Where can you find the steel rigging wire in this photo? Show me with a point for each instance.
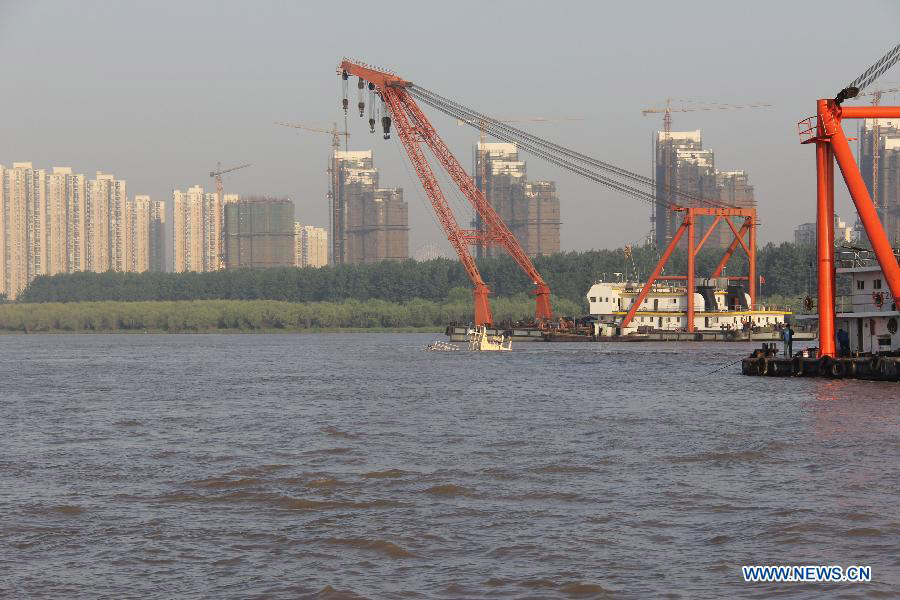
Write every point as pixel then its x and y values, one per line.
pixel 869 76
pixel 559 155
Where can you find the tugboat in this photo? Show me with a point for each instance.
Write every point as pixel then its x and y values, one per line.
pixel 480 341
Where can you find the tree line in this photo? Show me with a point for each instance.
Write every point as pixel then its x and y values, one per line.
pixel 788 270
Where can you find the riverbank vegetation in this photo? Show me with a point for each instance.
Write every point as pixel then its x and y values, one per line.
pixel 257 315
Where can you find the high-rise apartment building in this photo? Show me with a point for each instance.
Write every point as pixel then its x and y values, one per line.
pixel 191 226
pixel 529 208
pixel 369 224
pixel 259 233
pixel 139 260
pixel 310 246
pixel 14 244
pixel 60 192
pixel 108 246
pixel 683 166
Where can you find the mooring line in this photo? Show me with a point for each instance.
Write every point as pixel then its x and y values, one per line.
pixel 728 365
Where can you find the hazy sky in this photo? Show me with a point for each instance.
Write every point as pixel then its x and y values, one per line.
pixel 157 92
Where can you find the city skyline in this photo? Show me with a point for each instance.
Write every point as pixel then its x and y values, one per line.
pixel 226 124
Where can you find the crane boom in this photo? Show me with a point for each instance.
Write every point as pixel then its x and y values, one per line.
pixel 220 171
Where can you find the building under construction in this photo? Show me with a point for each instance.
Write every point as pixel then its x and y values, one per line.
pixel 369 223
pixel 529 208
pixel 683 168
pixel 259 233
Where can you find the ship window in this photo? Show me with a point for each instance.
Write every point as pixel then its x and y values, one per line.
pixel 876 284
pixel 674 300
pixel 593 298
pixel 860 284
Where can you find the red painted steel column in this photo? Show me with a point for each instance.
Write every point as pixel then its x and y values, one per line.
pixel 824 245
pixel 752 278
pixel 689 216
pixel 867 213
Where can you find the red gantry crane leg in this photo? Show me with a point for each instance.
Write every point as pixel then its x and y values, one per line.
pixel 414 129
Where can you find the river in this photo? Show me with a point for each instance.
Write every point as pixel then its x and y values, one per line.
pixel 358 465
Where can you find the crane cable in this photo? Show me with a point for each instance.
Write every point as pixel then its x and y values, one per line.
pixel 540 151
pixel 562 156
pixel 869 76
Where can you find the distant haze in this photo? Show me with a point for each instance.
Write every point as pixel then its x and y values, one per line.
pixel 157 92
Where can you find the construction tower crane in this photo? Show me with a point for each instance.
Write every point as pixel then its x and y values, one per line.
pixel 217 245
pixel 336 247
pixel 217 174
pixel 414 129
pixel 335 134
pixel 667 110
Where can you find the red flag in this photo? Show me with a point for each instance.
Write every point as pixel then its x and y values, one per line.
pixel 762 280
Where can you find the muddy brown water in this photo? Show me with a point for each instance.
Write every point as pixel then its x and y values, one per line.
pixel 346 466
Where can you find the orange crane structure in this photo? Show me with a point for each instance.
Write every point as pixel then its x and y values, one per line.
pixel 400 98
pixel 415 130
pixel 825 130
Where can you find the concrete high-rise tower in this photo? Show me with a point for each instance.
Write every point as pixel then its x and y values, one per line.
pixel 188 225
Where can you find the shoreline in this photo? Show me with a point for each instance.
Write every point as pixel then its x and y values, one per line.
pixel 224 331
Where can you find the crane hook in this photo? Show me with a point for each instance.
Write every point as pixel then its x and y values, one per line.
pixel 386 125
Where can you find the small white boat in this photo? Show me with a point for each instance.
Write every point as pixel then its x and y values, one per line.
pixel 441 346
pixel 480 341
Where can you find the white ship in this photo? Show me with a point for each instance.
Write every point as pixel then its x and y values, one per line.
pixel 720 306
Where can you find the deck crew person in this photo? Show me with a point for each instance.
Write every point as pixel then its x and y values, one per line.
pixel 843 341
pixel 787 336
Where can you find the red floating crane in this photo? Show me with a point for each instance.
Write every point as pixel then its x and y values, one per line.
pixel 414 129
